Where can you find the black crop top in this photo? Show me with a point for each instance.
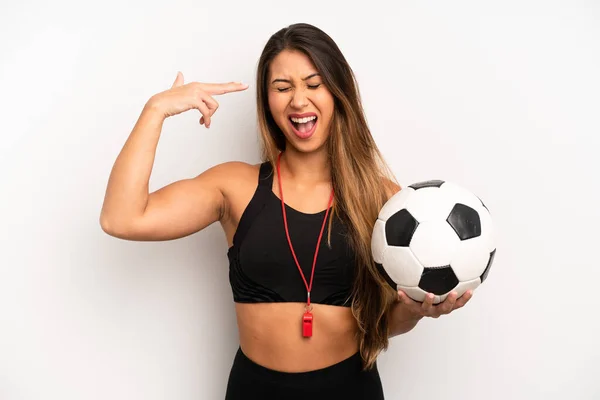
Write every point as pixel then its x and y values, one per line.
pixel 261 265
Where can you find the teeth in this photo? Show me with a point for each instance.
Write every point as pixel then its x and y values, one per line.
pixel 303 120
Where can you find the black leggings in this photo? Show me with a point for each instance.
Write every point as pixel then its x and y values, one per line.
pixel 344 380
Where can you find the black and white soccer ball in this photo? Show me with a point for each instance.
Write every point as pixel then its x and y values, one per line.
pixel 434 237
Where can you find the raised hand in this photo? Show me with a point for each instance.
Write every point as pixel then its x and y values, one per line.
pixel 194 95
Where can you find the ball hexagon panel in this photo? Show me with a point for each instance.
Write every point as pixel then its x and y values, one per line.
pixel 378 242
pixel 414 292
pixel 400 228
pixel 434 243
pixel 458 194
pixel 408 269
pixel 465 221
pixel 395 203
pixel 429 203
pixel 418 294
pixel 470 259
pixel 439 280
pixel 462 287
pixel 385 276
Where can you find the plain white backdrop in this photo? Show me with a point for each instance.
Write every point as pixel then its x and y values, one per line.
pixel 501 97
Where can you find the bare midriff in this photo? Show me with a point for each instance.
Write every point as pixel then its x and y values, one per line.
pixel 271 335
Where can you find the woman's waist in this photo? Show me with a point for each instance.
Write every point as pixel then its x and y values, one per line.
pixel 271 334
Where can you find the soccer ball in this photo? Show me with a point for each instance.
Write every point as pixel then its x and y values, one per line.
pixel 433 236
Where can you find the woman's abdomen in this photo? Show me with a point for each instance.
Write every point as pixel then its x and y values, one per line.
pixel 271 335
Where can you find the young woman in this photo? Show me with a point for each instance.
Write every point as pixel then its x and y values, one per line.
pixel 313 313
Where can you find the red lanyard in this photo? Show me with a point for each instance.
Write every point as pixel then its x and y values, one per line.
pixel 307 318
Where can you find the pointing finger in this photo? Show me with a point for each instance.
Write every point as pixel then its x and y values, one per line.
pixel 222 88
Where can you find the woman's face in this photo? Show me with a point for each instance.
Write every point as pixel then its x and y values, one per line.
pixel 300 103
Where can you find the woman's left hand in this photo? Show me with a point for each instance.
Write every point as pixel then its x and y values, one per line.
pixel 428 309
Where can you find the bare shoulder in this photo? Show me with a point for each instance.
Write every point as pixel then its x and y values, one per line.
pixel 235 179
pixel 238 182
pixel 230 171
pixel 231 177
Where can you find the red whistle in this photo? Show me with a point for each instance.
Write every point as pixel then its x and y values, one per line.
pixel 307 323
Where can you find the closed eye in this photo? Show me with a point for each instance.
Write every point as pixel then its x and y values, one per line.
pixel 281 90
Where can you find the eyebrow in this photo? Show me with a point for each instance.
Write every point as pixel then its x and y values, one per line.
pixel 304 79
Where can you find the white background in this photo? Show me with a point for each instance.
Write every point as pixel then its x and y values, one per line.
pixel 501 97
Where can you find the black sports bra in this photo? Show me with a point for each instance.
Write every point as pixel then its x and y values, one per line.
pixel 261 265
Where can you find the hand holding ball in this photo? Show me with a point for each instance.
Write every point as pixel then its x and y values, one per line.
pixel 434 237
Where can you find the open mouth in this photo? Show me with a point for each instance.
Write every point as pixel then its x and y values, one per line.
pixel 304 127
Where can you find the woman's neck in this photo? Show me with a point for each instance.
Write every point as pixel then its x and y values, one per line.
pixel 305 168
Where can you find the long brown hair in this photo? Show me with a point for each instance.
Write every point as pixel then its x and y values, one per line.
pixel 360 176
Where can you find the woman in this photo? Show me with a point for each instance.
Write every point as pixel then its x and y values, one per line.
pixel 322 182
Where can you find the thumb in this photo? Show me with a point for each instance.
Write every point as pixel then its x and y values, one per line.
pixel 178 80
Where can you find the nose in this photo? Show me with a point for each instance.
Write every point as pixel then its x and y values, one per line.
pixel 299 99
